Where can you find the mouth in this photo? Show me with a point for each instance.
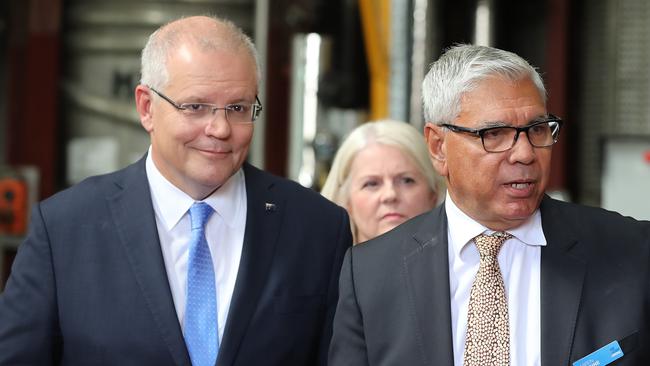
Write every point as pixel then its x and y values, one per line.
pixel 521 188
pixel 523 185
pixel 213 151
pixel 392 216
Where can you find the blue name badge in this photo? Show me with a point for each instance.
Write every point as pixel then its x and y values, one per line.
pixel 603 356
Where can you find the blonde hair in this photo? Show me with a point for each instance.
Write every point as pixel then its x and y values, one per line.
pixel 385 132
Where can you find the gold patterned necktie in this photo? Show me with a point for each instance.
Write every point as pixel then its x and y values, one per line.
pixel 488 335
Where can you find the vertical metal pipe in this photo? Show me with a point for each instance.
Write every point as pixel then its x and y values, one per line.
pixel 418 60
pixel 484 23
pixel 256 154
pixel 399 59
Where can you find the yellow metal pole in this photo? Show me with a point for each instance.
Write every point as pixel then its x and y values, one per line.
pixel 375 20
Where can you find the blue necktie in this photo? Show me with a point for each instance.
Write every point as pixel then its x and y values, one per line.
pixel 201 335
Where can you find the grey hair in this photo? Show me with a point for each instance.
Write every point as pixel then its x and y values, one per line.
pixel 223 35
pixel 460 69
pixel 385 132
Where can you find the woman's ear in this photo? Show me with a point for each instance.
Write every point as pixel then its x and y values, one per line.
pixel 435 138
pixel 143 102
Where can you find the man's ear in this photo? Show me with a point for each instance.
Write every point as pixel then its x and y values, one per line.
pixel 435 138
pixel 143 103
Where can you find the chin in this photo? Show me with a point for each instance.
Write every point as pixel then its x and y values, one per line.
pixel 213 181
pixel 388 228
pixel 522 207
pixel 518 215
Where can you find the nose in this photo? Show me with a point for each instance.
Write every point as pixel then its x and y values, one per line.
pixel 218 126
pixel 388 193
pixel 523 151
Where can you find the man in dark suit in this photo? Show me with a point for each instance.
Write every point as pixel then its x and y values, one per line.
pixel 115 271
pixel 500 273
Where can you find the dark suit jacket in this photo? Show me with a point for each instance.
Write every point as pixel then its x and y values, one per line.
pixel 89 286
pixel 394 305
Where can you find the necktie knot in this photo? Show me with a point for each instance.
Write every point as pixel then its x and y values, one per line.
pixel 199 214
pixel 489 245
pixel 488 333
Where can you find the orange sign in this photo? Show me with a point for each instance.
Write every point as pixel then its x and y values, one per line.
pixel 13 206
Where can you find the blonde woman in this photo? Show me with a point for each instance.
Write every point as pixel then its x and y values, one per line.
pixel 383 176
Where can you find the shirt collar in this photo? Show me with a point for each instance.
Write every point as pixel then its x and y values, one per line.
pixel 172 203
pixel 462 228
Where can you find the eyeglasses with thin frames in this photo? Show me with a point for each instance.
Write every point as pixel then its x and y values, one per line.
pixel 496 139
pixel 238 113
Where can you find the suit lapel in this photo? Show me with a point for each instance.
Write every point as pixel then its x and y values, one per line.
pixel 134 219
pixel 562 276
pixel 263 223
pixel 427 280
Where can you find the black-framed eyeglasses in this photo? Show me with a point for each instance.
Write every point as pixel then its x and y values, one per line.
pixel 203 112
pixel 542 133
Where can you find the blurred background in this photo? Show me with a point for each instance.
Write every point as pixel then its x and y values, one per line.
pixel 68 69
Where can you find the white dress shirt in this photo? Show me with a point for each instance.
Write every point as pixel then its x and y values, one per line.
pixel 519 261
pixel 224 233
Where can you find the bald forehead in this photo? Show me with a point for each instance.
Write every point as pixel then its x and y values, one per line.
pixel 205 32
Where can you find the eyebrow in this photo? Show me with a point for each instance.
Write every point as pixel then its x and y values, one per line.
pixel 539 118
pixel 490 124
pixel 398 174
pixel 195 99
